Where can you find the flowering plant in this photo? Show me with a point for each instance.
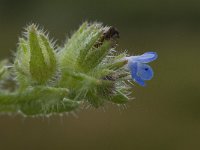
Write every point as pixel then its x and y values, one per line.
pixel 46 79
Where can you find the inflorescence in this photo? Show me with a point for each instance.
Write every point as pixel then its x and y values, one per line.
pixel 45 79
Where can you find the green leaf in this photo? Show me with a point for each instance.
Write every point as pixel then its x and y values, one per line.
pixel 89 44
pixel 96 56
pixel 37 63
pixel 22 58
pixel 43 100
pixel 119 98
pixel 42 56
pixel 77 47
pixel 3 70
pixel 49 55
pixel 118 64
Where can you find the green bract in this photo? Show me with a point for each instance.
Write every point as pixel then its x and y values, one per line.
pixel 86 70
pixel 36 59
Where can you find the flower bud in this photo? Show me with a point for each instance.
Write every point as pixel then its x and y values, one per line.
pixel 36 58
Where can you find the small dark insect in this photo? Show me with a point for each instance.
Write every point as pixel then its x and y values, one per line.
pixel 109 34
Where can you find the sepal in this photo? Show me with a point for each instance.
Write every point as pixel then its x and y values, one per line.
pixel 36 58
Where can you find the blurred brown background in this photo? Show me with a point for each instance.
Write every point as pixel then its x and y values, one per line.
pixel 165 114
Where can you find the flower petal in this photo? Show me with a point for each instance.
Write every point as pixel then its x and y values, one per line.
pixel 144 71
pixel 133 67
pixel 140 81
pixel 144 58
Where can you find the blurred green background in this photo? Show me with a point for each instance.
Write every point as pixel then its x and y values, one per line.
pixel 164 116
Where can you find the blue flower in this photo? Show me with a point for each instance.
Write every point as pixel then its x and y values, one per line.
pixel 140 71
